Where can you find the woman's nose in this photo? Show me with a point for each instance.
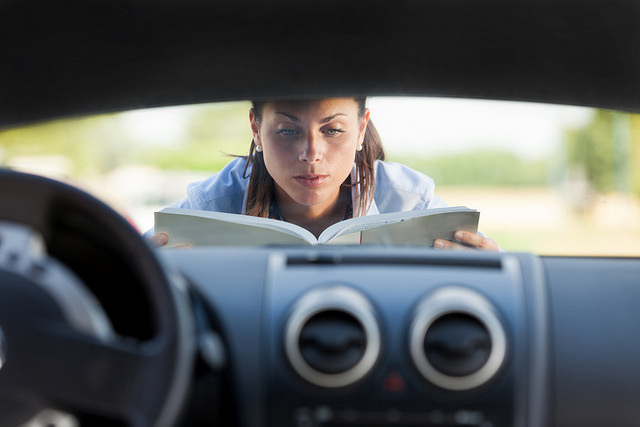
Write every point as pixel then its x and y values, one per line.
pixel 311 149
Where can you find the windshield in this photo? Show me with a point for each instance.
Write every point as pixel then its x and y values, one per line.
pixel 548 179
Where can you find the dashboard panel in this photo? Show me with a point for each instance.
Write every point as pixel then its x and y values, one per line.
pixel 379 336
pixel 339 336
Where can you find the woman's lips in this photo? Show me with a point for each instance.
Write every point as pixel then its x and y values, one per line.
pixel 311 180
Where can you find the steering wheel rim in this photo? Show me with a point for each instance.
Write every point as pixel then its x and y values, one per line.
pixel 139 378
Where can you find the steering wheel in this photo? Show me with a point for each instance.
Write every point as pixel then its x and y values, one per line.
pixel 91 322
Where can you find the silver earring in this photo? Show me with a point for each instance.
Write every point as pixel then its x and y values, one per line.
pixel 259 148
pixel 359 147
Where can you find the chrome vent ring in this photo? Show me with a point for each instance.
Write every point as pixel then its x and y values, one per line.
pixel 332 337
pixel 471 339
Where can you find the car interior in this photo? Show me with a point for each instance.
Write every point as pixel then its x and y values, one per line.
pixel 100 328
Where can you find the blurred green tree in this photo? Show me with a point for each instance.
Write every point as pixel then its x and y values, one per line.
pixel 634 157
pixel 604 153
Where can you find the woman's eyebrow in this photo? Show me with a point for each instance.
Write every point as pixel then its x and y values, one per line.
pixel 289 116
pixel 328 119
pixel 296 119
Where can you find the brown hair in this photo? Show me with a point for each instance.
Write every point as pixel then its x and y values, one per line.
pixel 261 185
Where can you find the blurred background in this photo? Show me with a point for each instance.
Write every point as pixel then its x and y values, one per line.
pixel 554 180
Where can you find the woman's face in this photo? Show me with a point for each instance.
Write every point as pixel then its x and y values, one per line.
pixel 309 147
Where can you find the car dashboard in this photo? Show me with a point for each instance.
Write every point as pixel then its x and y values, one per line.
pixel 411 336
pixel 374 336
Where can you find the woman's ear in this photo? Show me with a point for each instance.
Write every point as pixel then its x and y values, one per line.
pixel 363 125
pixel 255 126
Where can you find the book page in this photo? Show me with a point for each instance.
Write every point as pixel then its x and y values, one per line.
pixel 359 224
pixel 422 230
pixel 197 227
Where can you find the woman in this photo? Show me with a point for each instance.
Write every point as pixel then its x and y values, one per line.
pixel 314 163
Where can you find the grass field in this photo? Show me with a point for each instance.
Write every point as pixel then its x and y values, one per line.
pixel 541 220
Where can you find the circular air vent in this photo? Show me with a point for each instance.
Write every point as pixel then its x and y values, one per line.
pixel 332 337
pixel 456 340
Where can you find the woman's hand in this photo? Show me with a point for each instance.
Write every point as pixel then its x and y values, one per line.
pixel 159 239
pixel 467 240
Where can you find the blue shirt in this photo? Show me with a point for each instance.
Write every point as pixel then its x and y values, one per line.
pixel 397 188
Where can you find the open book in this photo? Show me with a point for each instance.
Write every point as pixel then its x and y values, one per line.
pixel 197 228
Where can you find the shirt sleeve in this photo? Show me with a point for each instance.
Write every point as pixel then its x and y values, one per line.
pixel 400 188
pixel 221 192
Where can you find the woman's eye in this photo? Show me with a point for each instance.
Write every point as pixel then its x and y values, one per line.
pixel 287 132
pixel 333 132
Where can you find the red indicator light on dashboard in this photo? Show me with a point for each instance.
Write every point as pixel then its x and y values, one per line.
pixel 394 383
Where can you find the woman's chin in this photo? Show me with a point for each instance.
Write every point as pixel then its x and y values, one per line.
pixel 312 200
